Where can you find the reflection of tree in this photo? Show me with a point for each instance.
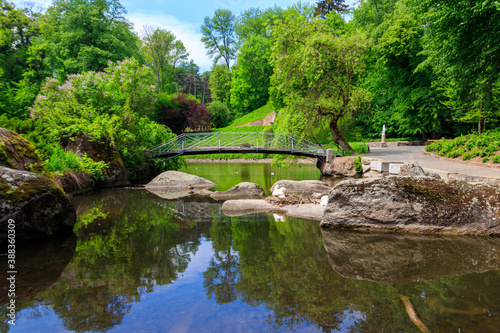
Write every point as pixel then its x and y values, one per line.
pixel 130 242
pixel 221 277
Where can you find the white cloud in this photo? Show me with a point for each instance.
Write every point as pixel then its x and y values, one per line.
pixel 187 32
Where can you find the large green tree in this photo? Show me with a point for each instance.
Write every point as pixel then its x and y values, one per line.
pixel 253 69
pixel 220 83
pixel 162 50
pixel 218 36
pixel 462 42
pixel 315 71
pixel 83 35
pixel 18 89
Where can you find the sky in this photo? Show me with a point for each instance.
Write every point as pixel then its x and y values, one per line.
pixel 183 19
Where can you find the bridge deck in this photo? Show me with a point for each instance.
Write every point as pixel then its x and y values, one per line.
pixel 238 142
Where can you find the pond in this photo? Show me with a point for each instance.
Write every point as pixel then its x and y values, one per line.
pixel 140 263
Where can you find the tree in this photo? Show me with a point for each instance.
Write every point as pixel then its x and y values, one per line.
pixel 251 75
pixel 158 45
pixel 462 42
pixel 179 111
pixel 114 106
pixel 324 7
pixel 220 83
pixel 315 70
pixel 218 36
pixel 18 29
pixel 83 35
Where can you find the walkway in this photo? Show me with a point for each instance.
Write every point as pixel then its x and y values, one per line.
pixel 410 154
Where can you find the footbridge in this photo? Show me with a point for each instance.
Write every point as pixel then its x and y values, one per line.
pixel 237 142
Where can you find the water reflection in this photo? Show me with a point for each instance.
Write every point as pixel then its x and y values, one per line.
pixel 146 263
pixel 403 258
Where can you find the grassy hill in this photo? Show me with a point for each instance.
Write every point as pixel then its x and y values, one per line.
pixel 258 114
pixel 484 147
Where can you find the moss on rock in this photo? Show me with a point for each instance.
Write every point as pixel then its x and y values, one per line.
pixel 18 153
pixel 36 203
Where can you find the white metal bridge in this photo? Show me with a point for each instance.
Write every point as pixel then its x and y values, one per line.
pixel 237 142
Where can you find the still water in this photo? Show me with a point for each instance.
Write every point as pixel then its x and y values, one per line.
pixel 140 263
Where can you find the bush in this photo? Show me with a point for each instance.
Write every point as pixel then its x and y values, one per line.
pixel 62 161
pixel 486 159
pixel 179 111
pixel 358 165
pixel 114 106
pixel 219 114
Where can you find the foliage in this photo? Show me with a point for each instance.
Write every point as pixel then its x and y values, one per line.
pixel 179 111
pixel 251 75
pixel 218 36
pixel 485 145
pixel 315 70
pixel 220 83
pixel 84 35
pixel 220 115
pixel 61 161
pixel 358 165
pixel 162 50
pixel 324 7
pixel 113 106
pixel 18 29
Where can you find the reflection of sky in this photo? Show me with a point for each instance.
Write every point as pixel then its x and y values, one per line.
pixel 180 307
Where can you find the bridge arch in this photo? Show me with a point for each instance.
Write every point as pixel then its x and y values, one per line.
pixel 237 142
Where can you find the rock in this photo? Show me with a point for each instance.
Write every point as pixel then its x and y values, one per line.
pixel 204 192
pixel 417 204
pixel 240 191
pixel 372 174
pixel 36 203
pixel 250 206
pixel 178 180
pixel 305 211
pixel 404 258
pixel 245 206
pixel 344 166
pixel 415 170
pixel 303 187
pixel 18 153
pixel 115 174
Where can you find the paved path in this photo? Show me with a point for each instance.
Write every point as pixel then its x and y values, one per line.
pixel 409 154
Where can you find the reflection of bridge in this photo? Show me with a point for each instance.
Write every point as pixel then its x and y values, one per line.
pixel 237 142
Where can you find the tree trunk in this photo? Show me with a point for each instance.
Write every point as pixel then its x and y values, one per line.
pixel 480 113
pixel 337 136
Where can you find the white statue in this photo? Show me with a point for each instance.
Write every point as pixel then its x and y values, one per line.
pixel 383 130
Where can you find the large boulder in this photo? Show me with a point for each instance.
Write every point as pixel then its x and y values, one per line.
pixel 36 203
pixel 240 191
pixel 18 153
pixel 418 204
pixel 302 187
pixel 115 174
pixel 404 258
pixel 344 166
pixel 179 180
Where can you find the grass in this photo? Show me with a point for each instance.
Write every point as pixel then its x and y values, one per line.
pixel 258 114
pixel 466 147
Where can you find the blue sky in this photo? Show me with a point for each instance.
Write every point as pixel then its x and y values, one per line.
pixel 183 19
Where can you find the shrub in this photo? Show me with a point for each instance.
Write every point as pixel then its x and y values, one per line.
pixel 219 114
pixel 486 159
pixel 358 165
pixel 179 111
pixel 62 161
pixel 113 106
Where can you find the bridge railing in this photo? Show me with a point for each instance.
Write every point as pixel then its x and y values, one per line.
pixel 235 140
